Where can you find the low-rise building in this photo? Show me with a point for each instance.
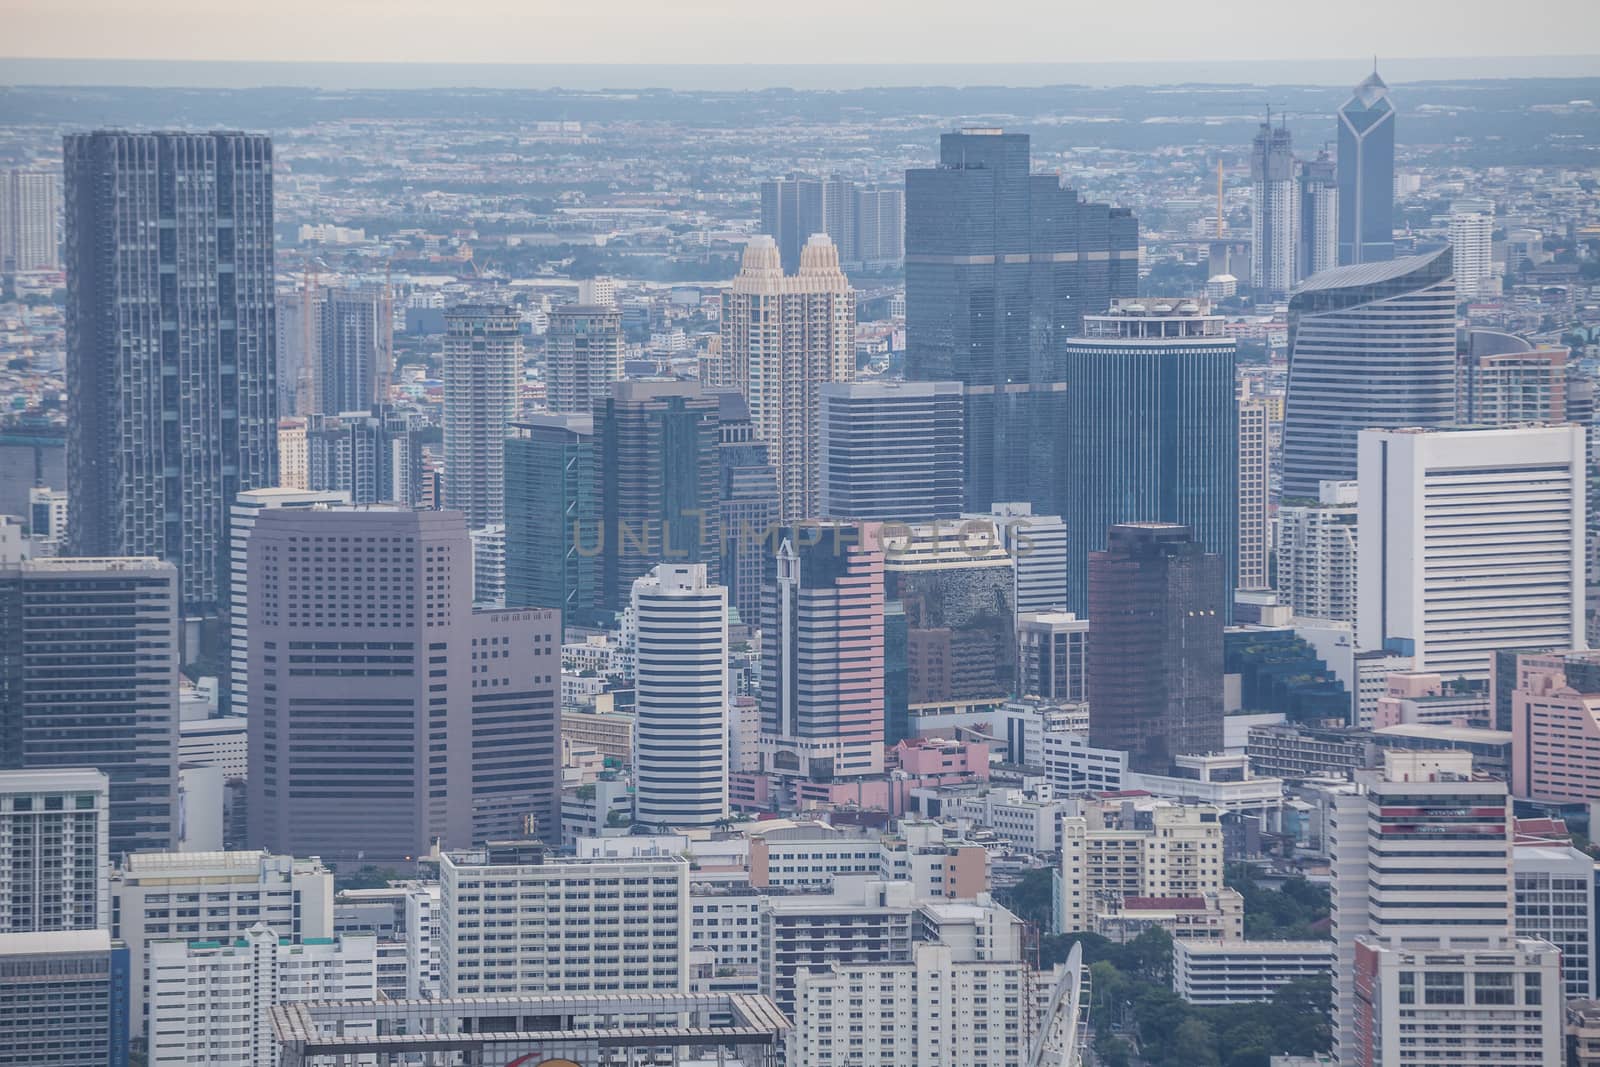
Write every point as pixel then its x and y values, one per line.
pixel 1236 972
pixel 1118 858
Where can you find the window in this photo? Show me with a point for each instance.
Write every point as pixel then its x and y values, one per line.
pixel 1408 987
pixel 1494 987
pixel 1532 992
pixel 1447 988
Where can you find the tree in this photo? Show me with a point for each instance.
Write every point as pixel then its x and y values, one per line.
pixel 1032 898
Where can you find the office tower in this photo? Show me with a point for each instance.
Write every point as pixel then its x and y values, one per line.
pixel 241 520
pixel 1053 656
pixel 374 456
pixel 47 519
pixel 362 620
pixel 1317 240
pixel 166 232
pixel 1254 466
pixel 1555 724
pixel 891 451
pixel 680 739
pixel 489 567
pixel 1554 885
pixel 622 926
pixel 1504 379
pixel 30 202
pixel 91 680
pixel 657 468
pixel 552 516
pixel 1317 554
pixel 1274 212
pixel 1038 548
pixel 1368 346
pixel 795 208
pixel 1470 541
pixel 54 867
pixel 1155 645
pixel 1366 175
pixel 292 459
pixel 822 658
pixel 351 375
pixel 1154 433
pixel 1472 248
pixel 65 997
pixel 584 350
pixel 949 627
pixel 212 1001
pixel 880 219
pixel 293 898
pixel 749 490
pixel 1000 265
pixel 783 338
pixel 482 368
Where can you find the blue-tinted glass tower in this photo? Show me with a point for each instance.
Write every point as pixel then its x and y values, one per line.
pixel 1366 174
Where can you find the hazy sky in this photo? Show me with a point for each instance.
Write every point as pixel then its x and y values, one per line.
pixel 795 31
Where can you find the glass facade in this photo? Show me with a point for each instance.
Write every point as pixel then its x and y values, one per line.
pixel 1366 175
pixel 550 505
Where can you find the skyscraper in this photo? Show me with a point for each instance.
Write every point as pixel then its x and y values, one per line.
pixel 1471 541
pixel 749 492
pixel 1472 247
pixel 1274 211
pixel 169 278
pixel 482 366
pixel 584 350
pixel 1254 527
pixel 53 873
pixel 880 226
pixel 1366 174
pixel 1001 265
pixel 350 370
pixel 385 713
pixel 891 451
pixel 822 658
pixel 1317 553
pixel 373 455
pixel 680 736
pixel 552 516
pixel 1372 345
pixel 1154 433
pixel 1317 242
pixel 1506 380
pixel 92 681
pixel 796 208
pixel 30 202
pixel 783 338
pixel 1155 645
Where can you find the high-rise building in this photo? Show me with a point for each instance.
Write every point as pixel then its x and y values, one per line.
pixel 1471 541
pixel 1053 656
pixel 1366 174
pixel 489 567
pixel 680 737
pixel 552 518
pixel 1554 722
pixel 292 460
pixel 880 222
pixel 365 652
pixel 351 375
pixel 53 872
pixel 1504 380
pixel 30 204
pixel 584 350
pixel 47 519
pixel 1472 248
pixel 91 680
pixel 1254 468
pixel 1317 241
pixel 482 368
pixel 1038 548
pixel 796 208
pixel 169 278
pixel 749 491
pixel 1554 885
pixel 891 451
pixel 1001 264
pixel 1373 345
pixel 1317 554
pixel 822 658
pixel 656 464
pixel 374 456
pixel 1155 645
pixel 1109 855
pixel 65 997
pixel 1274 211
pixel 784 336
pixel 1154 433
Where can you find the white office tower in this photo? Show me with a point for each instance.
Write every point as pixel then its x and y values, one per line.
pixel 784 336
pixel 489 567
pixel 680 736
pixel 482 369
pixel 213 896
pixel 1470 541
pixel 1317 554
pixel 1254 542
pixel 518 921
pixel 1472 245
pixel 1038 545
pixel 1555 903
pixel 211 1001
pixel 54 841
pixel 1274 211
pixel 30 205
pixel 47 520
pixel 241 520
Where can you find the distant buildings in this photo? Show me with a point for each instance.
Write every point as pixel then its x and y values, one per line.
pixel 584 351
pixel 1373 345
pixel 351 369
pixel 1274 211
pixel 866 223
pixel 1255 538
pixel 1317 240
pixel 373 455
pixel 1366 174
pixel 1555 723
pixel 552 516
pixel 1317 553
pixel 1505 380
pixel 482 366
pixel 1472 248
pixel 152 470
pixel 30 205
pixel 749 492
pixel 1052 656
pixel 891 451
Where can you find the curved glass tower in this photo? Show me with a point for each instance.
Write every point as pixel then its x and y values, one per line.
pixel 1366 174
pixel 1372 345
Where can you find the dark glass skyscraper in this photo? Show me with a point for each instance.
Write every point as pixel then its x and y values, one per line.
pixel 552 516
pixel 1001 267
pixel 350 341
pixel 1155 646
pixel 1366 174
pixel 172 405
pixel 749 486
pixel 1153 432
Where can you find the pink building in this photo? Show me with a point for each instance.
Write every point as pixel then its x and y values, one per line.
pixel 1420 697
pixel 938 757
pixel 1555 729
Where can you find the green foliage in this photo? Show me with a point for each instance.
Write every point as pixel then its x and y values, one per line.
pixel 1030 899
pixel 368 877
pixel 1287 914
